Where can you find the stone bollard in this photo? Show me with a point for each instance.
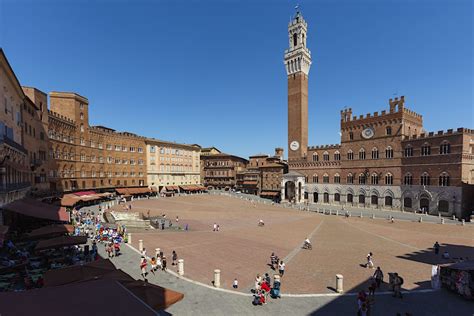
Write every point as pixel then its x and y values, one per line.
pixel 442 221
pixel 373 216
pixel 157 252
pixel 337 213
pixel 129 238
pixel 180 266
pixel 463 222
pixel 420 220
pixel 217 278
pixel 140 245
pixel 339 283
pixel 361 215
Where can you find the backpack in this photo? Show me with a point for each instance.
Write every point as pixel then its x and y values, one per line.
pixel 401 281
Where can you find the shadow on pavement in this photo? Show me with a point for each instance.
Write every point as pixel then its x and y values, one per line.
pixel 428 255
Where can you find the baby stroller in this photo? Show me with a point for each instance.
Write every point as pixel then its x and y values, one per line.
pixel 275 292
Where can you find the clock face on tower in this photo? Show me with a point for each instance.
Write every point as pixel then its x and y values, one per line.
pixel 294 145
pixel 368 133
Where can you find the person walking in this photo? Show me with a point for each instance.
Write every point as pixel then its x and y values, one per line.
pixel 159 265
pixel 143 253
pixel 378 275
pixel 273 260
pixel 235 284
pixel 370 263
pixel 281 268
pixel 143 266
pixel 436 248
pixel 258 281
pixel 174 257
pixel 214 227
pixel 267 279
pixel 163 264
pixel 397 285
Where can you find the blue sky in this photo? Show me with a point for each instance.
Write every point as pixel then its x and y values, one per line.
pixel 212 73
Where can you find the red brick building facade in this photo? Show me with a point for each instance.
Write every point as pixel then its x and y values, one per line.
pixel 384 160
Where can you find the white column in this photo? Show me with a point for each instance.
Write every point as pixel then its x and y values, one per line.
pixel 129 238
pixel 339 283
pixel 180 266
pixel 217 278
pixel 140 245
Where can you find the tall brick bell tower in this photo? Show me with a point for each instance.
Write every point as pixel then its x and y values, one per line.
pixel 297 62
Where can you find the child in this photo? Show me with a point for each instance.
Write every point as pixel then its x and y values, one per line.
pixel 235 285
pixel 153 265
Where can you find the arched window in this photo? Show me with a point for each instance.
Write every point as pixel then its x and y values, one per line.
pixel 362 154
pixel 325 178
pixel 326 156
pixel 444 179
pixel 445 148
pixel 374 179
pixel 425 179
pixel 350 198
pixel 374 199
pixel 351 136
pixel 407 202
pixel 337 156
pixel 408 179
pixel 362 178
pixel 350 178
pixel 315 157
pixel 408 151
pixel 350 155
pixel 425 149
pixel 388 179
pixel 315 178
pixel 443 206
pixel 375 153
pixel 326 197
pixel 388 130
pixel 337 197
pixel 295 39
pixel 388 200
pixel 337 178
pixel 389 152
pixel 315 197
pixel 361 199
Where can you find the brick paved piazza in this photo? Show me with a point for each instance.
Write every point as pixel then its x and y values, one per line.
pixel 241 249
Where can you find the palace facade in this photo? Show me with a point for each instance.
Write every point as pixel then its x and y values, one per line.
pixel 384 160
pixel 171 164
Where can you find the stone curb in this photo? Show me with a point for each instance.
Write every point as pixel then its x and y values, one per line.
pixel 283 295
